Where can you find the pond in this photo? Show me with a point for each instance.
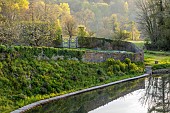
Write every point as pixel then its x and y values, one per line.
pixel 146 95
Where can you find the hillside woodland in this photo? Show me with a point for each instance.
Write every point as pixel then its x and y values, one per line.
pixel 42 22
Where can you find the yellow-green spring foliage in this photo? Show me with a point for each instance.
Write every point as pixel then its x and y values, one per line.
pixel 25 79
pixel 121 68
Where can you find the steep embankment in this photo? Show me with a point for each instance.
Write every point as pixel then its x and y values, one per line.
pixel 29 74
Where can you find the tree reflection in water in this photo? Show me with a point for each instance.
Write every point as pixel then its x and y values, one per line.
pixel 157 94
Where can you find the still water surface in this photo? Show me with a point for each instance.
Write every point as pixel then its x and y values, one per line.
pixel 146 95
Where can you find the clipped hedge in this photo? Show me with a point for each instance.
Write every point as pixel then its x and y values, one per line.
pixel 106 44
pixel 33 52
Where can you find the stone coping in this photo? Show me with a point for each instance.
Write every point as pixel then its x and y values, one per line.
pixel 161 71
pixel 41 102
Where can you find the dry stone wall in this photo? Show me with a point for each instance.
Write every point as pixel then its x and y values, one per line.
pixel 103 56
pixel 132 51
pixel 105 49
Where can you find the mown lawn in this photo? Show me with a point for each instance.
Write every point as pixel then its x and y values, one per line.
pixel 151 56
pixel 139 44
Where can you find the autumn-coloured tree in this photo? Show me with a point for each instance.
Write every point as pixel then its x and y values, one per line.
pixel 13 9
pixel 64 10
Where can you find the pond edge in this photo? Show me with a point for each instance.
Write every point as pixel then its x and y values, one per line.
pixel 41 102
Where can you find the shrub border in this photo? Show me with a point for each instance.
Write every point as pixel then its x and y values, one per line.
pixel 41 102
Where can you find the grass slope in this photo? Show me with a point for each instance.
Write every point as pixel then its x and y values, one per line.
pixel 23 81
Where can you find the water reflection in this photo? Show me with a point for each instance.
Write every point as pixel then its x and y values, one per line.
pixel 91 100
pixel 157 94
pixel 127 104
pixel 153 93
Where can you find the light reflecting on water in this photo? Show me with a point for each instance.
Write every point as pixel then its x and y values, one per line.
pixel 128 104
pixel 155 98
pixel 149 95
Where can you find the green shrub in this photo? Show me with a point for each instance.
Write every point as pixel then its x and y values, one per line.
pixel 102 79
pixel 49 52
pixel 110 68
pixel 119 73
pixel 3 48
pixel 19 97
pixel 127 61
pixel 26 79
pixel 17 48
pixel 110 73
pixel 100 72
pixel 67 85
pixel 10 49
pixel 4 82
pixel 110 61
pixel 1 65
pixel 116 68
pixel 118 62
pixel 133 67
pixel 122 67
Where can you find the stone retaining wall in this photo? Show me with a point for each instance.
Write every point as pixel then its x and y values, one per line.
pixel 132 51
pixel 103 56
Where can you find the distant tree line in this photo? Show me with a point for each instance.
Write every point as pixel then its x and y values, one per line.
pixel 101 17
pixel 33 22
pixel 42 22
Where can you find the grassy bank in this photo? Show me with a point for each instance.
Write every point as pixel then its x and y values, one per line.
pixel 25 78
pixel 162 57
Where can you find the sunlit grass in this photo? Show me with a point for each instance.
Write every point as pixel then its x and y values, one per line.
pixel 161 57
pixel 151 56
pixel 139 44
